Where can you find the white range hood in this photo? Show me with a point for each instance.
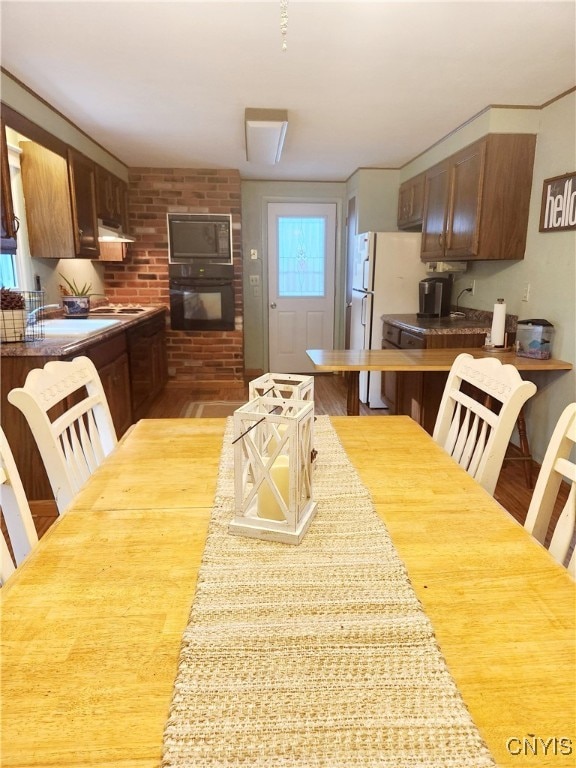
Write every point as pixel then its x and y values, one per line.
pixel 110 232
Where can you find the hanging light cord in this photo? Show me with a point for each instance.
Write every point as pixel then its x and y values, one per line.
pixel 284 23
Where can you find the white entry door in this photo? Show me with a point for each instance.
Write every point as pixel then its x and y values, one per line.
pixel 301 264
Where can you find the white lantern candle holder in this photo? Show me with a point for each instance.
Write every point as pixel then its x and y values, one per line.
pixel 273 455
pixel 282 385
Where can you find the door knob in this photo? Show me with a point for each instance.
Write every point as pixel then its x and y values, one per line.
pixel 273 305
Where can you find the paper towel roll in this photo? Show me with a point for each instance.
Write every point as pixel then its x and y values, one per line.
pixel 499 323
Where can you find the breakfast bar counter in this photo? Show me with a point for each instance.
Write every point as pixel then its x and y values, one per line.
pixel 411 360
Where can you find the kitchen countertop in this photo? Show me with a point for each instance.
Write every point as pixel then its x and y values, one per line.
pixel 438 325
pixel 64 346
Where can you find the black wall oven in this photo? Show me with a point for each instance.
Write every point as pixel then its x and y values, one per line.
pixel 201 297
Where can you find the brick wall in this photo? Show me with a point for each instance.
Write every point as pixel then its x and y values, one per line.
pixel 195 356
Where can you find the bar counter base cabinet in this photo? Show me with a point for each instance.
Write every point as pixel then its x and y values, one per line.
pixel 418 394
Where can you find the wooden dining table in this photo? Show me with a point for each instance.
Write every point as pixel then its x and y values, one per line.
pixel 92 621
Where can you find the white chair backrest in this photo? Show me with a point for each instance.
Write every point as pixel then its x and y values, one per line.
pixel 556 466
pixel 78 439
pixel 16 513
pixel 469 430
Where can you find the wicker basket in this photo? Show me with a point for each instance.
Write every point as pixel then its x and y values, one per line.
pixel 13 325
pixel 23 324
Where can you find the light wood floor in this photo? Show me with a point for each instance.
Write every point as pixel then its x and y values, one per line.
pixel 330 399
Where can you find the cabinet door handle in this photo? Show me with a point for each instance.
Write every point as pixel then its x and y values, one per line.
pixel 15 224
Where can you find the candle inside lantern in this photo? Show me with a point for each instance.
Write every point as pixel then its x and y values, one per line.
pixel 274 441
pixel 268 506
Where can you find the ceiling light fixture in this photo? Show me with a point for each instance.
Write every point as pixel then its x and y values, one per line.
pixel 265 134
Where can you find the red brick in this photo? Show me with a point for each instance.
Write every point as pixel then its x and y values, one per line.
pixel 194 356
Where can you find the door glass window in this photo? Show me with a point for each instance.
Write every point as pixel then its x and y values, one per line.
pixel 301 263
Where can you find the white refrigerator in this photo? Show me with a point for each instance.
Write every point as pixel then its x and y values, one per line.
pixel 385 276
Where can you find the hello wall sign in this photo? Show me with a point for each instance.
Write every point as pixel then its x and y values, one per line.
pixel 558 211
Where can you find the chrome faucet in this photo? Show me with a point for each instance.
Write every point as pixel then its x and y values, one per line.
pixel 32 319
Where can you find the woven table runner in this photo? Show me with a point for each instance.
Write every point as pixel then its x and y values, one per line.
pixel 313 655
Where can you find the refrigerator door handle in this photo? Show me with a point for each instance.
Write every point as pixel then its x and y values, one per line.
pixel 363 313
pixel 362 291
pixel 366 275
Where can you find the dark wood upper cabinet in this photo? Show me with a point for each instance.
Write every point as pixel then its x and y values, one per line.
pixel 436 191
pixel 466 186
pixel 112 208
pixel 103 197
pixel 82 173
pixel 9 222
pixel 411 203
pixel 476 202
pixel 65 194
pixel 60 195
pixel 111 198
pixel 47 196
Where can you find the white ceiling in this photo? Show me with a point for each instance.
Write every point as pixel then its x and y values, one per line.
pixel 366 84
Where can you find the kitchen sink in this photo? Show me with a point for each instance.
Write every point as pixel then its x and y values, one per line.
pixel 77 327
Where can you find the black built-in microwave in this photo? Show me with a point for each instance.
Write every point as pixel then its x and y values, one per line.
pixel 199 237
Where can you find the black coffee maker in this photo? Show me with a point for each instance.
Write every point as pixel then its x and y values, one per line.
pixel 435 294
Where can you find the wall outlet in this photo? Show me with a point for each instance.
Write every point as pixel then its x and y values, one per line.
pixel 254 279
pixel 253 254
pixel 526 292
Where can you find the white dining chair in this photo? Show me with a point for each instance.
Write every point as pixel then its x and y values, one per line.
pixel 16 513
pixel 467 427
pixel 7 566
pixel 556 467
pixel 77 439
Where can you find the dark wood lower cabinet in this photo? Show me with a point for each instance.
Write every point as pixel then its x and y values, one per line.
pixel 111 359
pixel 418 395
pixel 129 390
pixel 148 365
pixel 17 431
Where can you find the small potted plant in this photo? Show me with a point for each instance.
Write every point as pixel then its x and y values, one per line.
pixel 75 298
pixel 12 315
